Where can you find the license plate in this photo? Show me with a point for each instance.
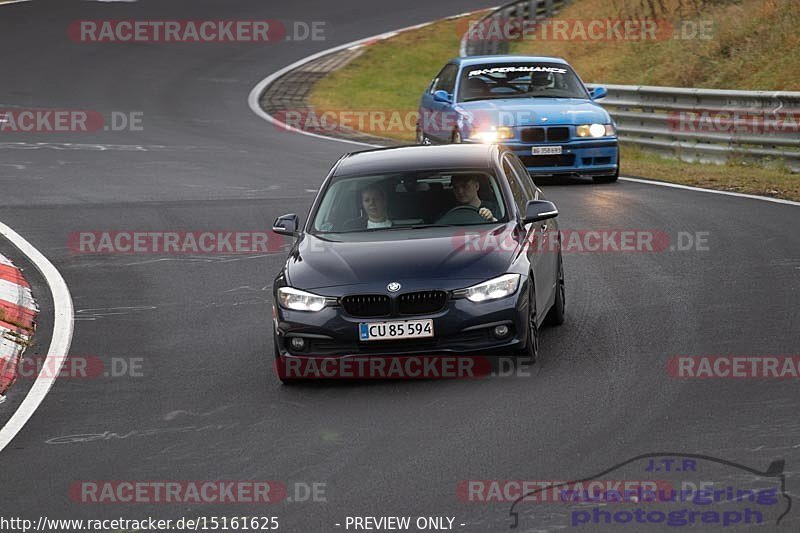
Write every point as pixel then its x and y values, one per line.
pixel 546 150
pixel 398 329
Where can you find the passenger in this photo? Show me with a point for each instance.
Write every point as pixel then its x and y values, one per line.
pixel 374 206
pixel 465 192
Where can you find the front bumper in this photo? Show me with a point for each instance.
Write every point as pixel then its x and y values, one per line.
pixel 583 157
pixel 461 327
pixel 588 157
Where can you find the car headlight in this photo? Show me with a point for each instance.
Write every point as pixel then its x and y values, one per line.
pixel 298 300
pixel 501 287
pixel 492 135
pixel 595 130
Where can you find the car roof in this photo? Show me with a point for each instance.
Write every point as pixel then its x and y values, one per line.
pixel 480 60
pixel 411 158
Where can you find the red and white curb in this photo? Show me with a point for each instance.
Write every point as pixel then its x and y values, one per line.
pixel 60 340
pixel 18 313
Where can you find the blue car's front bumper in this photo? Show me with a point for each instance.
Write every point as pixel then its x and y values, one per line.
pixel 597 157
pixel 593 157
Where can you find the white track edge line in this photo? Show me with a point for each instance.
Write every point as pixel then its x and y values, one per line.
pixel 258 90
pixel 59 343
pixel 713 191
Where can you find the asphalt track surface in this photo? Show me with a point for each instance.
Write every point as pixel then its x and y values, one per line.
pixel 599 395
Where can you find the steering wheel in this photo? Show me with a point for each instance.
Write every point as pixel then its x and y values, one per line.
pixel 461 214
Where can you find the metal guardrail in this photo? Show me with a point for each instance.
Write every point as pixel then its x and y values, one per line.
pixel 704 125
pixel 520 12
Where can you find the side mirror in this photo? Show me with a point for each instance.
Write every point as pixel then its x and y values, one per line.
pixel 441 96
pixel 286 225
pixel 598 93
pixel 538 210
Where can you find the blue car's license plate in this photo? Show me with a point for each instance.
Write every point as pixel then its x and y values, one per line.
pixel 398 329
pixel 546 150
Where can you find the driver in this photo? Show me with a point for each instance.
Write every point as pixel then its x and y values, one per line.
pixel 465 192
pixel 540 81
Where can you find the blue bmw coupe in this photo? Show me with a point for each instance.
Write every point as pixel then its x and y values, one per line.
pixel 536 106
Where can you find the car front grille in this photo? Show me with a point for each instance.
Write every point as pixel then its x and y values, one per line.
pixel 367 305
pixel 563 160
pixel 537 135
pixel 532 135
pixel 557 134
pixel 412 303
pixel 421 303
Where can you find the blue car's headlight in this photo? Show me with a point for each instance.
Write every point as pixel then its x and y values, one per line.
pixel 493 289
pixel 298 300
pixel 595 130
pixel 492 135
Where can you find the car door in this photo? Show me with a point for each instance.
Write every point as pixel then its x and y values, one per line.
pixel 538 234
pixel 548 240
pixel 437 118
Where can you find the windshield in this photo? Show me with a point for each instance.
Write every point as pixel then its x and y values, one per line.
pixel 409 201
pixel 519 80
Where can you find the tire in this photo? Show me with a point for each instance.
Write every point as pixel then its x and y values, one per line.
pixel 280 368
pixel 531 350
pixel 555 317
pixel 611 178
pixel 456 139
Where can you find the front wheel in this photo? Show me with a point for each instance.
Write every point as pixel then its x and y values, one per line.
pixel 555 317
pixel 457 137
pixel 531 350
pixel 607 179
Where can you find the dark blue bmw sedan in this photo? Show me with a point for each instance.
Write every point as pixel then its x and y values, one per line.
pixel 435 250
